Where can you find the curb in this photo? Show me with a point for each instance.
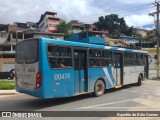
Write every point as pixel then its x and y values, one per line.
pixel 8 92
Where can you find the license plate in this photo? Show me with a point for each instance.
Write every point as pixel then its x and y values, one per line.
pixel 26 85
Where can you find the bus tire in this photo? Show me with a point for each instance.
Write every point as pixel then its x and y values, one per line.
pixel 99 88
pixel 139 83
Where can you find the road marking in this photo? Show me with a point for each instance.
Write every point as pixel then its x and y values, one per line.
pixel 157 94
pixel 123 90
pixel 139 91
pixel 87 107
pixel 146 93
pixel 133 91
pixel 119 107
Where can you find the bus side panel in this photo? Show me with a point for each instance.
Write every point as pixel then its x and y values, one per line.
pixel 36 93
pixel 105 73
pixel 131 74
pixel 56 82
pixel 136 71
pixel 128 75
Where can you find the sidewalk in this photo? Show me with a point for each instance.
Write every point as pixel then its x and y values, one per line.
pixel 153 74
pixel 8 92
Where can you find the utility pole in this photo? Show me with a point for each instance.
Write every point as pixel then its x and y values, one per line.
pixel 157 32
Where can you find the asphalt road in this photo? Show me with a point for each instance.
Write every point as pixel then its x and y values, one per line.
pixel 128 98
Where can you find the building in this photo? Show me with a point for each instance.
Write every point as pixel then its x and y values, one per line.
pixel 48 22
pixel 21 27
pixel 80 26
pixel 36 34
pixel 11 34
pixel 129 39
pixel 77 26
pixel 7 61
pixel 14 33
pixel 151 32
pixel 145 33
pixel 117 43
pixel 7 49
pixel 142 32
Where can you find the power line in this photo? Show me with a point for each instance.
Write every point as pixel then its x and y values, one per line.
pixel 85 17
pixel 117 11
pixel 130 8
pixel 96 19
pixel 135 11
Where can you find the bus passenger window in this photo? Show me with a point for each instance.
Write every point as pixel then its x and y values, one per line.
pixel 59 56
pixel 99 62
pixel 92 62
pixel 61 64
pixel 49 51
pixel 53 62
pixel 107 58
pixel 95 58
pixel 127 59
pixel 133 59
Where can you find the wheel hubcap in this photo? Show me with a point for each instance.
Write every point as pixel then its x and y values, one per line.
pixel 100 88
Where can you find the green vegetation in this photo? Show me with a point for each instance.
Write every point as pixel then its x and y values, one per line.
pixel 150 38
pixel 66 28
pixel 116 26
pixel 7 84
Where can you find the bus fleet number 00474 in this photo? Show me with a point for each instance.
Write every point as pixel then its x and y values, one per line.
pixel 62 76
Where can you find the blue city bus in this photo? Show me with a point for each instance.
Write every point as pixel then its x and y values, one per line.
pixel 51 68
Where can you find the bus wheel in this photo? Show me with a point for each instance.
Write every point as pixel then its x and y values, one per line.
pixel 99 88
pixel 139 80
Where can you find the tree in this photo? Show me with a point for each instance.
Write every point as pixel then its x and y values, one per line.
pixel 115 25
pixel 150 38
pixel 65 28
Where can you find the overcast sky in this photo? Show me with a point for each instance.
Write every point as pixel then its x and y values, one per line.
pixel 135 12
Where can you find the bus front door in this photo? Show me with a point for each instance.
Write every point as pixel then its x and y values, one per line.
pixel 118 69
pixel 80 66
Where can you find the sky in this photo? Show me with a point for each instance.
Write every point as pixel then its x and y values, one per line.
pixel 135 12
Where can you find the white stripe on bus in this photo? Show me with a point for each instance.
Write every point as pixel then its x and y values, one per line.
pixel 107 47
pixel 108 76
pixel 122 49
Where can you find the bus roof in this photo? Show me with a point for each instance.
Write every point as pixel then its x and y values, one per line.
pixel 88 45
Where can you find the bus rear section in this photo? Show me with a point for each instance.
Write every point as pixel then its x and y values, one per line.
pixel 28 75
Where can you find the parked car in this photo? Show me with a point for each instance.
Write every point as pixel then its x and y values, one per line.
pixel 7 75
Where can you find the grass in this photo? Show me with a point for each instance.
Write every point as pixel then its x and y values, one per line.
pixel 7 84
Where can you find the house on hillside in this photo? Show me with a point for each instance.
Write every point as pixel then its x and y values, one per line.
pixel 80 26
pixel 48 22
pixel 77 26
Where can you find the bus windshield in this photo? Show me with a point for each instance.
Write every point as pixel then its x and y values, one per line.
pixel 27 52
